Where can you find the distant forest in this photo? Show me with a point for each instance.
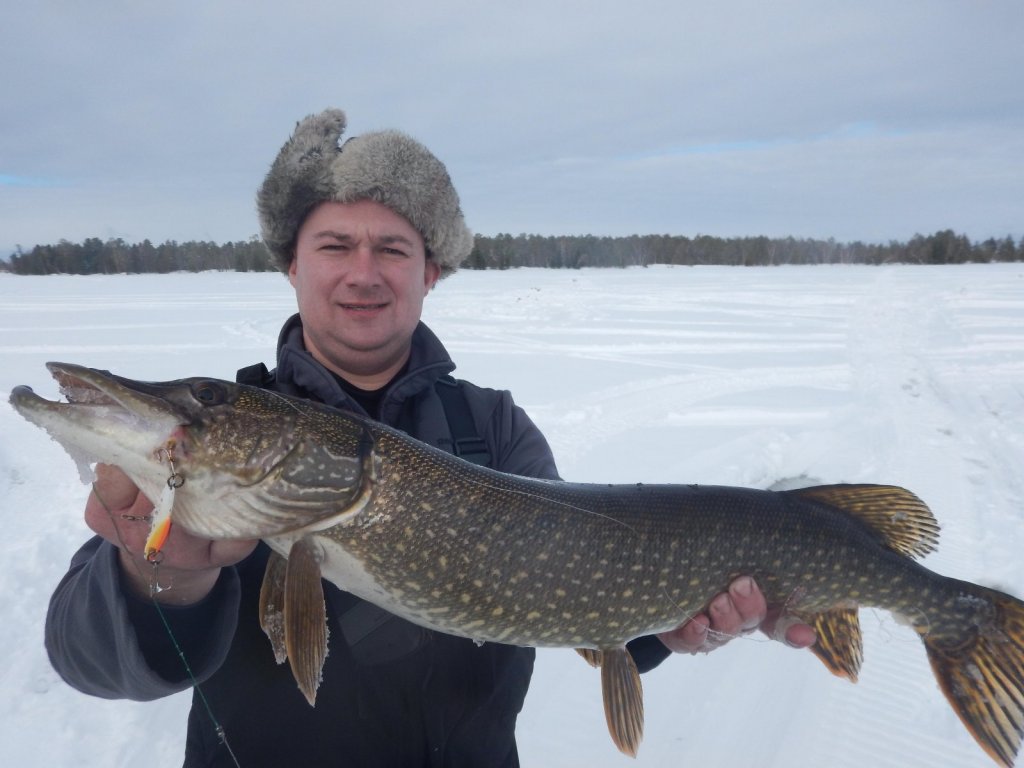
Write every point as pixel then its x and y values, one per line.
pixel 94 256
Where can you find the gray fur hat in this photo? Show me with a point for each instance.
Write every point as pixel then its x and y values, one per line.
pixel 386 166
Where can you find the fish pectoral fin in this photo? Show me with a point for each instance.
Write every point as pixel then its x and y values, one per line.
pixel 272 605
pixel 623 699
pixel 839 643
pixel 305 617
pixel 591 655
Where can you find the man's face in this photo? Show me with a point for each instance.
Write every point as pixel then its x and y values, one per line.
pixel 360 274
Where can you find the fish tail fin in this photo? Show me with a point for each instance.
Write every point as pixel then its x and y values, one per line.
pixel 983 676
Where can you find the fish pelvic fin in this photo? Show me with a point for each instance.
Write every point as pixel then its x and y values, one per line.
pixel 272 605
pixel 305 617
pixel 839 644
pixel 591 656
pixel 902 521
pixel 623 699
pixel 983 677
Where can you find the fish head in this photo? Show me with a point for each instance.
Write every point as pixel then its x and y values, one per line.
pixel 246 462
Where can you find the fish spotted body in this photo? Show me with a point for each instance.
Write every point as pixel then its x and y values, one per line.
pixel 499 558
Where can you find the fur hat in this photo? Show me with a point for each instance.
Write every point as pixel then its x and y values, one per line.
pixel 386 166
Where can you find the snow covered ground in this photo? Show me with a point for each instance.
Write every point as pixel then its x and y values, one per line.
pixel 906 375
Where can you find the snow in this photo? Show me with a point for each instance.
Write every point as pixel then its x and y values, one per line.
pixel 757 376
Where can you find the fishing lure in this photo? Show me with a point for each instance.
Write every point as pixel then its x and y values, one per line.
pixel 160 528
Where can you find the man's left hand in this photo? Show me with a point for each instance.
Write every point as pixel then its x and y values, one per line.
pixel 737 612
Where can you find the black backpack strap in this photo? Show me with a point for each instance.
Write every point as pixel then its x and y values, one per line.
pixel 466 443
pixel 254 375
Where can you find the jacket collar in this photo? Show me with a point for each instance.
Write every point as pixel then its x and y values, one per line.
pixel 300 374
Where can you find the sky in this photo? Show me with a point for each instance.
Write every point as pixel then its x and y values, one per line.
pixel 867 121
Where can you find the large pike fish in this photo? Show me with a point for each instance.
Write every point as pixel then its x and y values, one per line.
pixel 499 558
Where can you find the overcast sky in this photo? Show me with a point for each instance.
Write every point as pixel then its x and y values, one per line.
pixel 855 119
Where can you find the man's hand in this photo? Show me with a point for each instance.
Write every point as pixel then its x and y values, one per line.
pixel 119 512
pixel 740 610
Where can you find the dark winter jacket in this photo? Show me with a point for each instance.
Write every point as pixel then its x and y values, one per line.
pixel 393 693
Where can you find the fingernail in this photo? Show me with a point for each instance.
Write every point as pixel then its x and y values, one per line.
pixel 744 587
pixel 803 636
pixel 781 631
pixel 720 604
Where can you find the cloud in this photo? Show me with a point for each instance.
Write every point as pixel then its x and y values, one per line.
pixel 860 120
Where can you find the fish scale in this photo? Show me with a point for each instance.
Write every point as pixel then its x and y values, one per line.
pixel 494 557
pixel 641 559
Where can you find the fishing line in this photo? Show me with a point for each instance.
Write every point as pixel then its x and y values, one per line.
pixel 715 637
pixel 687 615
pixel 559 502
pixel 283 399
pixel 154 590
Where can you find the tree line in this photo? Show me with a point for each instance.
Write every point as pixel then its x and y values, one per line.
pixel 945 247
pixel 504 251
pixel 94 256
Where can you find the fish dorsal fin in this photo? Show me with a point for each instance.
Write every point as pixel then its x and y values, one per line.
pixel 902 520
pixel 623 699
pixel 272 605
pixel 591 656
pixel 839 643
pixel 305 617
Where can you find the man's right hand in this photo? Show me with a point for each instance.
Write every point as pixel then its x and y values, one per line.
pixel 189 566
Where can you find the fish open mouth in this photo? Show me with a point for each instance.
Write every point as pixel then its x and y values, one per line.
pixel 90 387
pixel 76 389
pixel 80 386
pixel 101 413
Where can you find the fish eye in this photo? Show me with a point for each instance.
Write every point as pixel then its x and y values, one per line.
pixel 208 393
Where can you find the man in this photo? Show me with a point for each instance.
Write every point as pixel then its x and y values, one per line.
pixel 363 232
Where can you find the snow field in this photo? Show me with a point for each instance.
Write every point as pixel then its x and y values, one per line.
pixel 758 377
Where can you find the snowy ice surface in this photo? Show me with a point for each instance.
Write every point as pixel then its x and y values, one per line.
pixel 905 375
